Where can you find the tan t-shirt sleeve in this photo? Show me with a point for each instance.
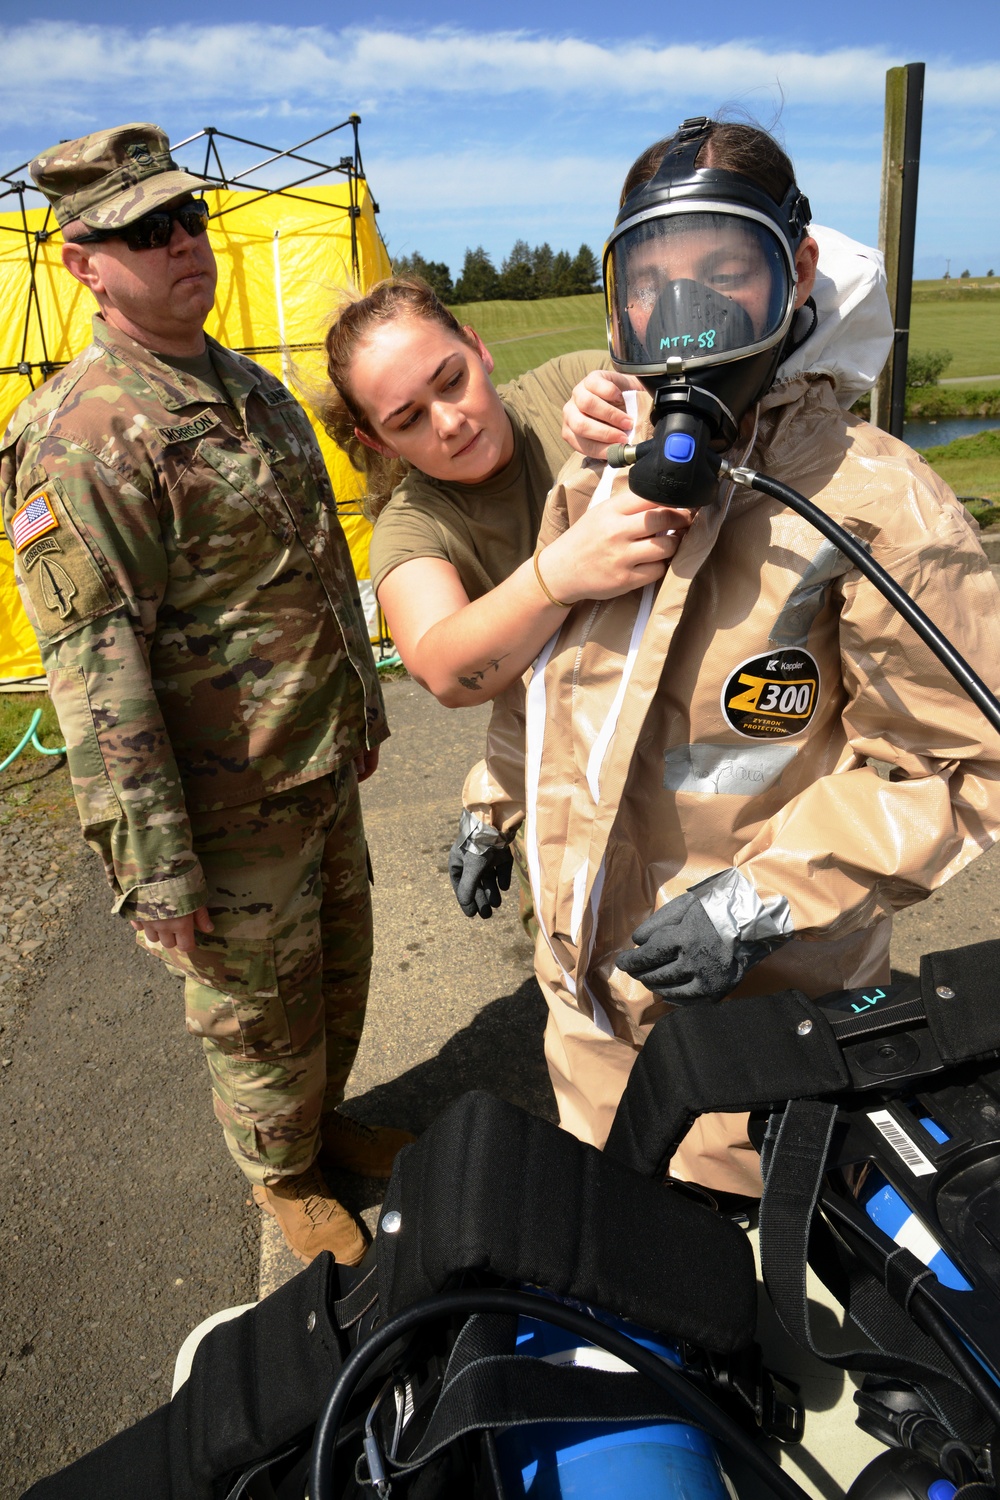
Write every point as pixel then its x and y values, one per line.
pixel 403 531
pixel 538 397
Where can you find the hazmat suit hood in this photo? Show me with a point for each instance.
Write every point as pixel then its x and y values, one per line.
pixel 852 334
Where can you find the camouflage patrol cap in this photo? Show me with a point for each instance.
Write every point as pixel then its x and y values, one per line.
pixel 112 177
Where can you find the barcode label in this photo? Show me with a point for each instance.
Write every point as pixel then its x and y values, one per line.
pixel 901 1143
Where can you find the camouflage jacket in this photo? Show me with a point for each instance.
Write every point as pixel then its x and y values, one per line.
pixel 192 592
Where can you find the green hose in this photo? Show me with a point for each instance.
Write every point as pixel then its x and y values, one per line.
pixel 31 737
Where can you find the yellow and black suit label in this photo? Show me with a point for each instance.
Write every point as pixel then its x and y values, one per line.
pixel 771 697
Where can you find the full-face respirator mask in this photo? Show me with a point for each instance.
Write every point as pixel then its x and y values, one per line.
pixel 699 283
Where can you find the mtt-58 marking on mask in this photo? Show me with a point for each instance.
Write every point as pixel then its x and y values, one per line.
pixel 704 340
pixel 773 696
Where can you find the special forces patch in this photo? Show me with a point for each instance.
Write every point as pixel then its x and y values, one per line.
pixel 56 586
pixel 771 697
pixel 61 577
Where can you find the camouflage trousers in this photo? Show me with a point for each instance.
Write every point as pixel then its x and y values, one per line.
pixel 278 991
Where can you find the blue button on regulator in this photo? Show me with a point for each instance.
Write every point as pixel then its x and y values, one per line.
pixel 679 447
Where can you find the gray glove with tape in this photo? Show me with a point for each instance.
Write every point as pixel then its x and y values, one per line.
pixel 698 946
pixel 480 865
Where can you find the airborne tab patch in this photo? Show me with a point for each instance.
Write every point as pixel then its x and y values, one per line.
pixel 33 520
pixel 186 432
pixel 277 398
pixel 43 547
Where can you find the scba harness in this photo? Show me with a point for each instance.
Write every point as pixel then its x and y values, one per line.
pixel 861 1104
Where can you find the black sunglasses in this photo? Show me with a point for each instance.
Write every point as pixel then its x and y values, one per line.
pixel 154 229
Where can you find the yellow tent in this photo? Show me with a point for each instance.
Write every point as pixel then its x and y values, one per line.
pixel 282 257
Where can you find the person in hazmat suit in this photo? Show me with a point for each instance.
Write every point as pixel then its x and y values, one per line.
pixel 730 780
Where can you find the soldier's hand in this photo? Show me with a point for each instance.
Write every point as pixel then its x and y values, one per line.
pixel 595 415
pixel 177 932
pixel 366 764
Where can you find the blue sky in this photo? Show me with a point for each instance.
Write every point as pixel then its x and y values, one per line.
pixel 482 123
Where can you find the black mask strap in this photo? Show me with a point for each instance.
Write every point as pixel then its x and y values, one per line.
pixel 680 159
pixel 795 340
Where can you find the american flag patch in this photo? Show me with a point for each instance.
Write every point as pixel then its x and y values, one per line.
pixel 34 519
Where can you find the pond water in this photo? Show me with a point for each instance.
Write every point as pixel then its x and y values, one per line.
pixel 930 434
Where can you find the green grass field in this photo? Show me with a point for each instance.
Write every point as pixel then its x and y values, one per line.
pixel 521 335
pixel 971 466
pixel 16 710
pixel 968 325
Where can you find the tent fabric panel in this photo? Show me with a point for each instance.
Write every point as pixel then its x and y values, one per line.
pixel 19 657
pixel 294 282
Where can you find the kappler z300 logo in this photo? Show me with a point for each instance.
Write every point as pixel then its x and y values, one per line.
pixel 774 696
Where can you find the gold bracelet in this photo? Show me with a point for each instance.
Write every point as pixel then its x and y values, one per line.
pixel 541 584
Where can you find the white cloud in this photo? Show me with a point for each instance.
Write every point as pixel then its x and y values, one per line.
pixel 439 183
pixel 291 66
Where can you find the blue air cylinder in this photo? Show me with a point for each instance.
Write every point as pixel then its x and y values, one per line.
pixel 894 1217
pixel 604 1460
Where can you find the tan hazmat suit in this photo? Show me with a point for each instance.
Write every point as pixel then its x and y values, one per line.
pixel 763 710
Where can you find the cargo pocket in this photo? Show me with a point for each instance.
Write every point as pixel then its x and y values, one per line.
pixel 239 1130
pixel 96 799
pixel 231 996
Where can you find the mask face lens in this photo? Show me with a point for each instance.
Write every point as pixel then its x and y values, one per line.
pixel 699 286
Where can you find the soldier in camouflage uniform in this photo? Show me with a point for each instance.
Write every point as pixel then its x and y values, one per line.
pixel 180 558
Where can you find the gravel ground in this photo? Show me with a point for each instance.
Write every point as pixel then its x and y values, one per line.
pixel 122 1222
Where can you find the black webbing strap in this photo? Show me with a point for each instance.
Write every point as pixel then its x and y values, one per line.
pixel 792 1235
pixel 351 1309
pixel 483 1388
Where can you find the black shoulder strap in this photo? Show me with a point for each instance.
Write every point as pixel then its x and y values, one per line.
pixel 486 1387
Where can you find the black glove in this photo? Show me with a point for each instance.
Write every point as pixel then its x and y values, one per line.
pixel 682 956
pixel 478 878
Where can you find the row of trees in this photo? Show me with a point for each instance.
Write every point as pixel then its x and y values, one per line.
pixel 525 274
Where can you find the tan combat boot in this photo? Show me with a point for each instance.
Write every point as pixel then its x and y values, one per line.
pixel 366 1150
pixel 311 1219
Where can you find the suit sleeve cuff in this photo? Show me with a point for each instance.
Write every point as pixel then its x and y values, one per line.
pixel 162 900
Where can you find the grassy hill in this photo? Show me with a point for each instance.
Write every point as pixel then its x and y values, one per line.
pixel 963 316
pixel 971 465
pixel 521 335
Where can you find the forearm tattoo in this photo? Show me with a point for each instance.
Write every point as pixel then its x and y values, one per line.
pixel 476 681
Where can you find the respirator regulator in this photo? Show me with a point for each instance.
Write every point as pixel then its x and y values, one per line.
pixel 699 284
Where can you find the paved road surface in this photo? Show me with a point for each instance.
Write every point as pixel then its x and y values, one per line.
pixel 122 1221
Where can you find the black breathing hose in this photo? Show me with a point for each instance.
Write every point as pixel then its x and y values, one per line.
pixel 523 1304
pixel 883 581
pixel 936 1326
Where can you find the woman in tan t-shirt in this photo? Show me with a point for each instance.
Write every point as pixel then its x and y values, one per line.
pixel 410 395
